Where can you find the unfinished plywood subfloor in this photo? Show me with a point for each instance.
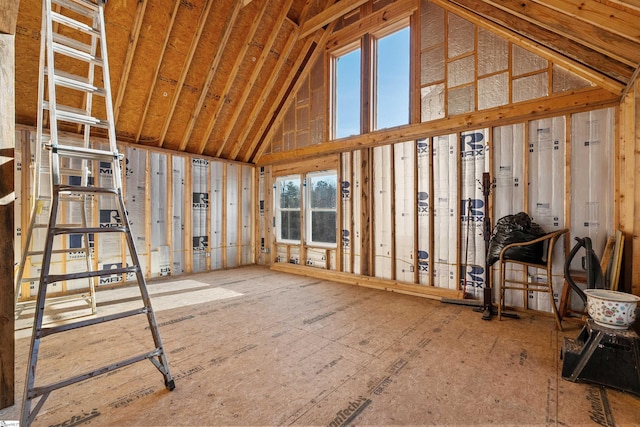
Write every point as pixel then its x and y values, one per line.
pixel 256 347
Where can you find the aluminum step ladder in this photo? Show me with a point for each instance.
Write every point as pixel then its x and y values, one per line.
pixel 73 39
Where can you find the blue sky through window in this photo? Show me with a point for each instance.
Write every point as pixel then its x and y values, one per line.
pixel 392 91
pixel 348 94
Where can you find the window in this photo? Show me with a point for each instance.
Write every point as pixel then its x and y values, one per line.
pixel 392 80
pixel 316 205
pixel 288 209
pixel 346 116
pixel 322 217
pixel 384 86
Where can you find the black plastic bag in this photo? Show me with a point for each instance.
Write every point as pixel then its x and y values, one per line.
pixel 515 229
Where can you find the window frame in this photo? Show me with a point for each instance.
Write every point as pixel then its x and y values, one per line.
pixel 367 42
pixel 308 221
pixel 279 209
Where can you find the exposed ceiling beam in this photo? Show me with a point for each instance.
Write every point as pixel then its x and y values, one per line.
pixel 186 66
pixel 157 70
pixel 239 57
pixel 268 89
pixel 328 15
pixel 213 69
pixel 514 113
pixel 601 15
pixel 240 104
pixel 468 9
pixel 587 34
pixel 134 35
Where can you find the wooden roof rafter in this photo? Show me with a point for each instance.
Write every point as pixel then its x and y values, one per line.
pixel 296 81
pixel 268 88
pixel 252 79
pixel 587 34
pixel 174 13
pixel 186 66
pixel 240 56
pixel 213 69
pixel 134 35
pixel 329 15
pixel 475 11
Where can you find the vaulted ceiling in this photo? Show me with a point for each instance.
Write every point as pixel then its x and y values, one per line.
pixel 212 76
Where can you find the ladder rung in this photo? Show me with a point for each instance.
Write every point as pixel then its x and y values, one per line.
pixel 85 153
pixel 90 230
pixel 83 189
pixel 72 23
pixel 45 390
pixel 81 119
pixel 52 278
pixel 77 325
pixel 73 81
pixel 54 251
pixel 71 42
pixel 86 8
pixel 76 53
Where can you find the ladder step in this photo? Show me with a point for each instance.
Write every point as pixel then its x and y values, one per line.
pixel 45 390
pixel 83 7
pixel 76 53
pixel 73 81
pixel 54 251
pixel 73 43
pixel 83 189
pixel 76 25
pixel 90 230
pixel 52 278
pixel 90 322
pixel 85 153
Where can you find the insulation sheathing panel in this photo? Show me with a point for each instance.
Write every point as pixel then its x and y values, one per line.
pixel 461 36
pixel 199 212
pixel 461 100
pixel 592 146
pixel 493 91
pixel 109 244
pixel 423 152
pixel 316 257
pixel 474 162
pixel 231 227
pixel 432 22
pixel 160 253
pixel 382 223
pixel 564 80
pixel 245 238
pixel 135 188
pixel 432 65
pixel 216 203
pixel 346 230
pixel 493 53
pixel 18 206
pixel 356 238
pixel 547 193
pixel 405 196
pixel 445 230
pixel 525 62
pixel 461 71
pixel 508 192
pixel 178 214
pixel 530 87
pixel 432 102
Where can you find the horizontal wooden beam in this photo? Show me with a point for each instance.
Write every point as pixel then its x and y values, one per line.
pixel 328 15
pixel 368 281
pixel 575 101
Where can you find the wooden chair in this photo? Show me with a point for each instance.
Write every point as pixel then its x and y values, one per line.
pixel 524 284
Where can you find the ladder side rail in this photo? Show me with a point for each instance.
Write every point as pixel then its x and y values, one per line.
pixel 107 87
pixel 54 168
pixel 39 309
